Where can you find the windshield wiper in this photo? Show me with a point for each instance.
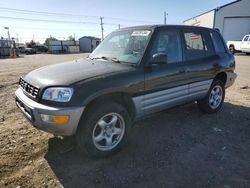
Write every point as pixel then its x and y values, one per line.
pixel 102 57
pixel 107 58
pixel 115 60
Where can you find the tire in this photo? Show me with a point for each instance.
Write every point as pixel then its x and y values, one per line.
pixel 103 129
pixel 232 49
pixel 214 99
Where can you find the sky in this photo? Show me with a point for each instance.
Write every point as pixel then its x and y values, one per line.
pixel 62 18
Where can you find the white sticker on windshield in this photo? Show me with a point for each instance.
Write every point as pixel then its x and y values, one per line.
pixel 140 33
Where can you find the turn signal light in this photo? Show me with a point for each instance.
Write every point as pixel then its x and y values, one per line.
pixel 60 119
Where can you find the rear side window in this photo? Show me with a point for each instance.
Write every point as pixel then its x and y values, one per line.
pixel 194 45
pixel 246 38
pixel 208 44
pixel 218 43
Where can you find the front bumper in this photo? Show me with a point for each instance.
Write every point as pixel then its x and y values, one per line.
pixel 231 76
pixel 33 110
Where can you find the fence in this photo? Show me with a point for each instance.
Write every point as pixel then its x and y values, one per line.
pixel 66 46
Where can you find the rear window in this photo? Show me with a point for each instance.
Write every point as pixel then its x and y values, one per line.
pixel 218 43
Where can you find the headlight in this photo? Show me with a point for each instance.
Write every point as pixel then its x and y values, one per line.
pixel 58 94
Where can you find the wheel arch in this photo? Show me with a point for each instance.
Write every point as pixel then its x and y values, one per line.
pixel 222 76
pixel 122 98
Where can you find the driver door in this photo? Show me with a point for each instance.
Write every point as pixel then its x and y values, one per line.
pixel 166 81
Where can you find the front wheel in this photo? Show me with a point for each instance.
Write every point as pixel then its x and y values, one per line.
pixel 214 98
pixel 103 129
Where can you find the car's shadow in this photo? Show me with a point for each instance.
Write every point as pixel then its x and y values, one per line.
pixel 180 147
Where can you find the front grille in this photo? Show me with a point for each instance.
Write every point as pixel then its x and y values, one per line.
pixel 28 88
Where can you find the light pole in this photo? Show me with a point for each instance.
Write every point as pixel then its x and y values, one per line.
pixel 8 31
pixel 12 47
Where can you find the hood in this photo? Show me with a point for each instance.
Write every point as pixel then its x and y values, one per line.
pixel 71 72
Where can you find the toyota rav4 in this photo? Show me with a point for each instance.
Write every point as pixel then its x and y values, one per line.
pixel 134 72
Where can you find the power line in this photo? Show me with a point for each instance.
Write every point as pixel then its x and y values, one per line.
pixel 56 21
pixel 69 15
pixel 49 29
pixel 45 13
pixel 46 20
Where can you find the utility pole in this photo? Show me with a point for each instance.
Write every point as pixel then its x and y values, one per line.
pixel 101 18
pixel 165 17
pixel 75 39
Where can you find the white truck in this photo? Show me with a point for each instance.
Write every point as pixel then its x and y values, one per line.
pixel 240 46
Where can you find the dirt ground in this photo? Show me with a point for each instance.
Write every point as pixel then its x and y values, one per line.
pixel 180 147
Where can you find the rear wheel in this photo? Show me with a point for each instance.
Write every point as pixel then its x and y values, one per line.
pixel 214 98
pixel 103 130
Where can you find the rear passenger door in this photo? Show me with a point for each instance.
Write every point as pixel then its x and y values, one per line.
pixel 201 61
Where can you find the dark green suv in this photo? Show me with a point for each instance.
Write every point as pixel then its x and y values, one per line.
pixel 134 72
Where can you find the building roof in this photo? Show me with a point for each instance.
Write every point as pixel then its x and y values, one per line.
pixel 215 9
pixel 90 37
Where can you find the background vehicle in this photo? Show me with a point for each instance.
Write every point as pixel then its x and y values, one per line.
pixel 41 48
pixel 240 46
pixel 27 51
pixel 132 73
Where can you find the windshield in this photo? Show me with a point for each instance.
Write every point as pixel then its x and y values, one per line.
pixel 123 46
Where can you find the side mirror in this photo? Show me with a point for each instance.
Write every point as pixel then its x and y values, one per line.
pixel 158 58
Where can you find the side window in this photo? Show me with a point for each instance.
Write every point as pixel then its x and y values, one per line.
pixel 217 41
pixel 194 45
pixel 168 42
pixel 246 38
pixel 209 48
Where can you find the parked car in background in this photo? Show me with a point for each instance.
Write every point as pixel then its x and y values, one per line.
pixel 240 46
pixel 23 50
pixel 134 72
pixel 41 48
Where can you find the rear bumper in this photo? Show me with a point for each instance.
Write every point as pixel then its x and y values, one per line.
pixel 231 76
pixel 33 110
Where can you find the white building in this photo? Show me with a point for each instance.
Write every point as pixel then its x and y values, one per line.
pixel 233 19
